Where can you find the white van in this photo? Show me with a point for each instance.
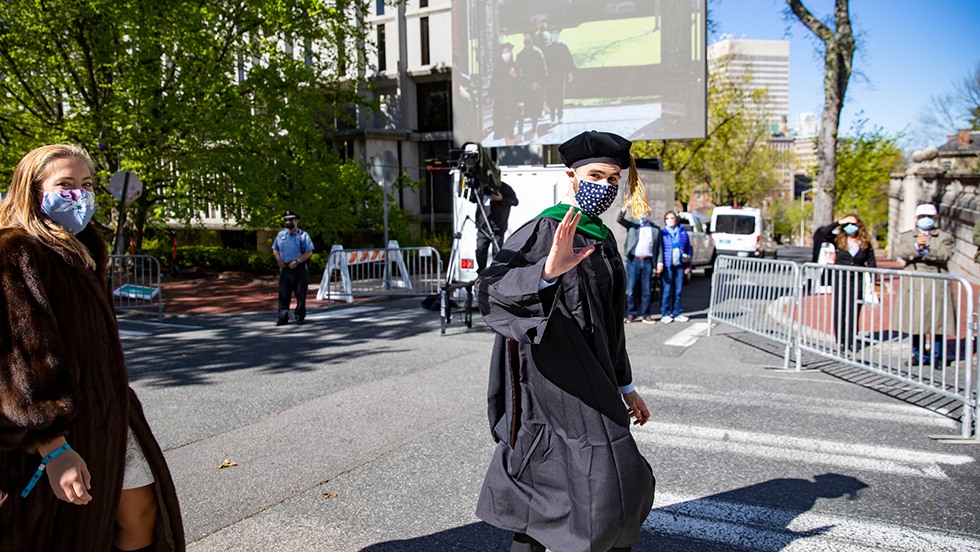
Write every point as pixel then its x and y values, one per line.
pixel 742 231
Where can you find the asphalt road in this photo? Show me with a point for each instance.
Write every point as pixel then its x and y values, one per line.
pixel 366 430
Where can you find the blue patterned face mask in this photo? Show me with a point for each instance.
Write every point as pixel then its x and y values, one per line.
pixel 594 198
pixel 851 229
pixel 72 209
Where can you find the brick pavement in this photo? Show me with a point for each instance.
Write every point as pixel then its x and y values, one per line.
pixel 227 293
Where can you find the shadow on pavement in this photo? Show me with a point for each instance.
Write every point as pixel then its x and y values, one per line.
pixel 758 516
pixel 476 537
pixel 225 345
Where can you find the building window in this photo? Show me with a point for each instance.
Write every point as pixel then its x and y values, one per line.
pixel 379 7
pixel 423 3
pixel 382 46
pixel 434 107
pixel 424 34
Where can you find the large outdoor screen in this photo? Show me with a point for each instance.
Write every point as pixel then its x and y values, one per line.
pixel 542 71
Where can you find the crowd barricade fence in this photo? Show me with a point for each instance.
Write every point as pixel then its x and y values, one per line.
pixel 135 283
pixel 917 328
pixel 390 271
pixel 913 327
pixel 743 290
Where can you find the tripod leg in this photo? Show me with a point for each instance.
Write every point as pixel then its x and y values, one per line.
pixel 443 309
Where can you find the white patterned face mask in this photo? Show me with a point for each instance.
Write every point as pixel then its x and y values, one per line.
pixel 594 198
pixel 72 209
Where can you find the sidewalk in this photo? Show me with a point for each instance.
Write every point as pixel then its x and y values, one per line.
pixel 227 293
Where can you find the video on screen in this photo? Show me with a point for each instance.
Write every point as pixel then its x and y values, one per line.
pixel 544 71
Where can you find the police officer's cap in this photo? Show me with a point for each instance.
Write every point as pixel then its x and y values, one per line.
pixel 595 147
pixel 289 215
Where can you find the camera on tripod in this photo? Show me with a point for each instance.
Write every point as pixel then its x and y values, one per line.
pixel 479 172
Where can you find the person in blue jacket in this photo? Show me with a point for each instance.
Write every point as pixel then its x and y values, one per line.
pixel 674 264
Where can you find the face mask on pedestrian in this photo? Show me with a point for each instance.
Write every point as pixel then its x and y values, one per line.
pixel 851 229
pixel 505 56
pixel 925 223
pixel 71 209
pixel 594 198
pixel 290 225
pixel 670 222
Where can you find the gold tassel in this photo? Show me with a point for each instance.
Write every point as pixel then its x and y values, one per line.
pixel 638 194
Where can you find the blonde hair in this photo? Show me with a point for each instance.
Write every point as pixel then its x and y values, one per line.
pixel 21 206
pixel 637 192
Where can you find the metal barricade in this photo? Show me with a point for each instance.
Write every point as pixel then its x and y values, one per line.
pixel 392 271
pixel 755 295
pixel 914 327
pixel 135 283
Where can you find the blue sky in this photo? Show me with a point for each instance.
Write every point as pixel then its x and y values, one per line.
pixel 909 50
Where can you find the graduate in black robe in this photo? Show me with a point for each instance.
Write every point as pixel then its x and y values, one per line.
pixel 566 474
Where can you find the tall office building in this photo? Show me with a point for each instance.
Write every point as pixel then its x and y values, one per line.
pixel 765 63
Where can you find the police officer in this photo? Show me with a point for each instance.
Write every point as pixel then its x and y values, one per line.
pixel 292 248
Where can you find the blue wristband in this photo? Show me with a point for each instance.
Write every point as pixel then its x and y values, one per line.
pixel 40 469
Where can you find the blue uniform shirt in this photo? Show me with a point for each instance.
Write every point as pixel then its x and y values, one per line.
pixel 291 246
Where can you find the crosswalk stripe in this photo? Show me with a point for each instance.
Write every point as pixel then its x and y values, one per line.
pixel 849 409
pixel 767 528
pixel 688 336
pixel 800 450
pixel 129 334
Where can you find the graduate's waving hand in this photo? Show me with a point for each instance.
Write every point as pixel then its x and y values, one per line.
pixel 562 257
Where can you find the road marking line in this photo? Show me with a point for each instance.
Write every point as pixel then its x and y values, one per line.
pixel 688 336
pixel 801 451
pixel 127 334
pixel 766 528
pixel 825 407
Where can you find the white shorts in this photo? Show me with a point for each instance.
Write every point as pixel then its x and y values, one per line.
pixel 138 472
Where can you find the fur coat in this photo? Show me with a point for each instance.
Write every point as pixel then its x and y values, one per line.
pixel 62 373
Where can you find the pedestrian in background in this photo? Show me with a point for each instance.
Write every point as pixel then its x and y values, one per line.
pixel 492 228
pixel 642 252
pixel 854 246
pixel 64 393
pixel 929 311
pixel 673 266
pixel 533 72
pixel 504 94
pixel 566 473
pixel 292 248
pixel 560 68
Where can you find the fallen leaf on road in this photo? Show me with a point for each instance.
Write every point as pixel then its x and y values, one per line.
pixel 226 464
pixel 328 496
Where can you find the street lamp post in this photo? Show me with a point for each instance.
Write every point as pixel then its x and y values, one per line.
pixel 803 218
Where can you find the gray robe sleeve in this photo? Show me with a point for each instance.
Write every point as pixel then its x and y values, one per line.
pixel 509 292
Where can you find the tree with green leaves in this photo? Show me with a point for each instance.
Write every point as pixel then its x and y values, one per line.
pixel 839 47
pixel 865 161
pixel 217 105
pixel 734 160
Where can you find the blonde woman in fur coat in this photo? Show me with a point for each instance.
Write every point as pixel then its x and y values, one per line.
pixel 65 400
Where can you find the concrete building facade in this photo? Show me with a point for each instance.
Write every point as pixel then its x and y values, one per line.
pixel 766 65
